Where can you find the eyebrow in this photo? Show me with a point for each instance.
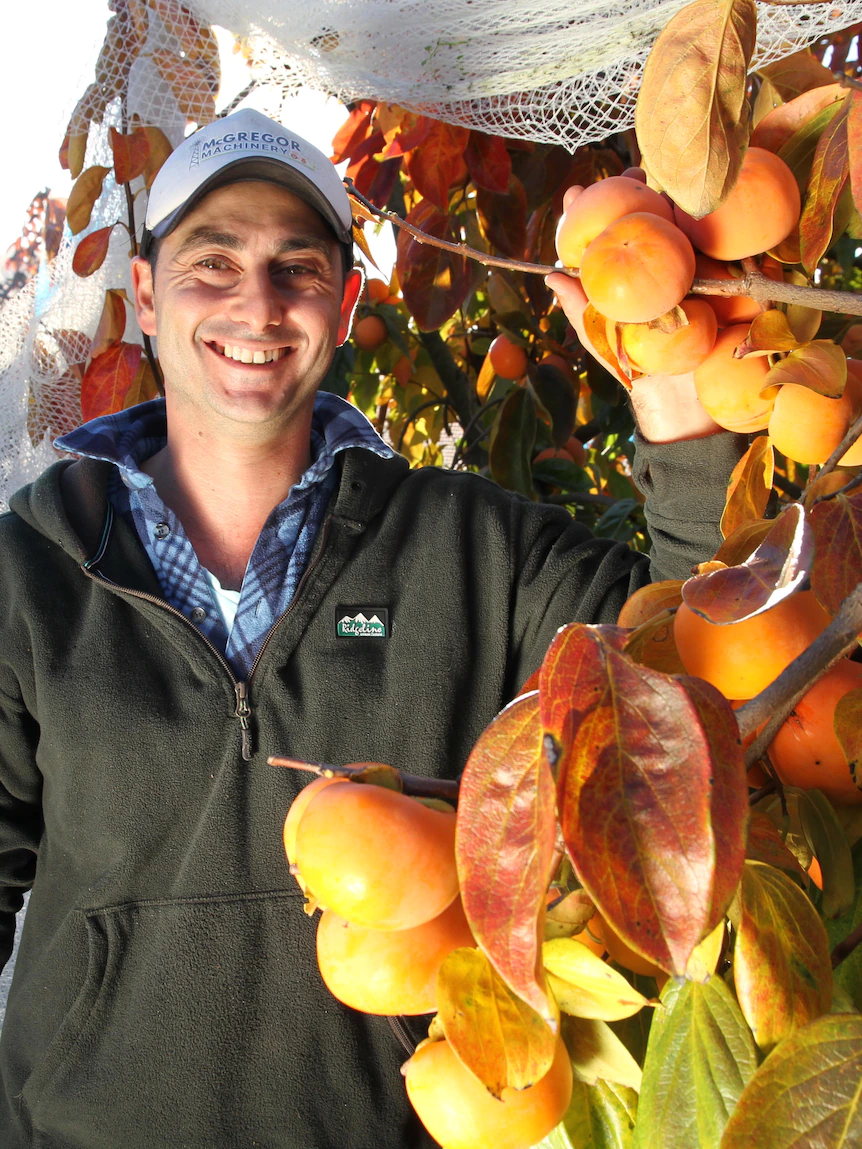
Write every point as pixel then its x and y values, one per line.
pixel 207 236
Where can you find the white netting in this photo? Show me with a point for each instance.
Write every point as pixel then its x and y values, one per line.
pixel 538 70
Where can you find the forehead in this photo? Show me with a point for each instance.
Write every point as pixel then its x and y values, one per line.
pixel 255 211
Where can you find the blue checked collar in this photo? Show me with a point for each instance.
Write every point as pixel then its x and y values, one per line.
pixel 127 438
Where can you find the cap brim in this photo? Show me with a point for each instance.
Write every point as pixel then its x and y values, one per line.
pixel 268 171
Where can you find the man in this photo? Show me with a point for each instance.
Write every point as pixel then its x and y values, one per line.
pixel 166 991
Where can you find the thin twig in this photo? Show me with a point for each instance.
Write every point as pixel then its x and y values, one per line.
pixel 416 785
pixel 774 703
pixel 767 788
pixel 855 482
pixel 847 81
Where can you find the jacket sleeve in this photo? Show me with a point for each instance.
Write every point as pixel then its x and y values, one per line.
pixel 564 574
pixel 20 806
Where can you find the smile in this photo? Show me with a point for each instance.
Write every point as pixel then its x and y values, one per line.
pixel 248 355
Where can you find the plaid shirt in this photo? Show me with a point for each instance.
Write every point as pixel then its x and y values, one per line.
pixel 282 550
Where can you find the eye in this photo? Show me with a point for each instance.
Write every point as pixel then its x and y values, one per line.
pixel 213 263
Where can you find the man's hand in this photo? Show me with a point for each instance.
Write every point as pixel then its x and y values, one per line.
pixel 666 407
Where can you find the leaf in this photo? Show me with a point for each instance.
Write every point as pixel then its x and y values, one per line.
pixel 744 541
pixel 85 192
pixel 659 856
pixel 837 528
pixel 413 132
pixel 653 599
pixel 770 331
pixel 130 153
pixel 854 146
pixel 765 844
pixel 706 955
pixel 782 970
pixel 691 116
pixel 485 380
pixel 598 1054
pixel 107 380
pixel 112 323
pixel 848 731
pixel 512 438
pixel 586 986
pixel 504 845
pixel 91 251
pixel 750 486
pixel 197 40
pixel 829 173
pixel 798 151
pixel 356 128
pixel 160 149
pixel 559 396
pixel 700 1057
pixel 776 128
pixel 193 85
pixel 143 386
pixel 503 218
pixel 572 913
pixel 600 1116
pixel 653 644
pixel 830 847
pixel 806 1093
pixel 820 365
pixel 439 162
pixel 797 73
pixel 488 162
pixel 434 282
pixel 493 1033
pixel 779 566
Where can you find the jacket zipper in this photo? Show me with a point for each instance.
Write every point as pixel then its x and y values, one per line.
pixel 242 710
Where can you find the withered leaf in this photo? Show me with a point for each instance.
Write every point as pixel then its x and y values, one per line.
pixel 691 117
pixel 86 190
pixel 130 152
pixel 91 251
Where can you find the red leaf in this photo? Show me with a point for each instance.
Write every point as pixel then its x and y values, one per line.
pixel 107 380
pixel 91 251
pixel 503 218
pixel 434 282
pixel 651 790
pixel 131 153
pixel 352 132
pixel 837 527
pixel 488 162
pixel 439 162
pixel 777 568
pixel 828 176
pixel 505 846
pixel 112 323
pixel 413 132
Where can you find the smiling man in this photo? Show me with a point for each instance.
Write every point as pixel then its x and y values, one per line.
pixel 242 569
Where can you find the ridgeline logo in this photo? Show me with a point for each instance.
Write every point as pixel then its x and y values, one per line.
pixel 364 622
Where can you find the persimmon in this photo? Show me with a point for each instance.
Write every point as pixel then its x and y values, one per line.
pixel 618 951
pixel 377 857
pixel 576 449
pixel 403 369
pixel 742 658
pixel 806 752
pixel 730 309
pixel 599 205
pixel 376 290
pixel 657 352
pixel 761 210
pixel 370 333
pixel 388 972
pixel 297 808
pixel 853 456
pixel 460 1113
pixel 507 358
pixel 730 389
pixel 638 268
pixel 806 426
pixel 554 453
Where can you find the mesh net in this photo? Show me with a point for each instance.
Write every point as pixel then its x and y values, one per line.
pixel 529 70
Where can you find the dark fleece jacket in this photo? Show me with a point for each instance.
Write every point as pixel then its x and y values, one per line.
pixel 166 992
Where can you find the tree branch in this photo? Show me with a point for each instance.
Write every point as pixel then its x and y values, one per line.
pixel 416 785
pixel 845 949
pixel 774 703
pixel 853 433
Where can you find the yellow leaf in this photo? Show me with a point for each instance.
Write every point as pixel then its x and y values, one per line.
pixel 750 486
pixel 692 118
pixel 820 365
pixel 585 986
pixel 704 957
pixel 87 189
pixel 598 1054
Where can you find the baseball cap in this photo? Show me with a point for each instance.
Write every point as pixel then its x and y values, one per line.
pixel 245 145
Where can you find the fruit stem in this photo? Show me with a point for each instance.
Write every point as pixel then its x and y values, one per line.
pixel 416 785
pixel 774 703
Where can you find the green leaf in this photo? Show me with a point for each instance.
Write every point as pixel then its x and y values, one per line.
pixel 806 1095
pixel 512 439
pixel 699 1059
pixel 848 974
pixel 600 1116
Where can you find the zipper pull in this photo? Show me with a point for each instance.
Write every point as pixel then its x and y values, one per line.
pixel 243 713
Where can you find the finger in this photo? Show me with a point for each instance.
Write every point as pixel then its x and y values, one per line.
pixel 571 195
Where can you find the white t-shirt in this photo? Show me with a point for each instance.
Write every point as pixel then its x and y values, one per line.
pixel 226 600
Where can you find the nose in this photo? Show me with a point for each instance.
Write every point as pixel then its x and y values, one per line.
pixel 256 302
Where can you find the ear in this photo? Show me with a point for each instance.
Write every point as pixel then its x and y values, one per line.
pixel 142 286
pixel 353 281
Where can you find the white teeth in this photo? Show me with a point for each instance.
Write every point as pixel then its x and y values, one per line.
pixel 247 356
pixel 244 355
pixel 259 357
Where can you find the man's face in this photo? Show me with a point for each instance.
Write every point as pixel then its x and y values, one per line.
pixel 248 302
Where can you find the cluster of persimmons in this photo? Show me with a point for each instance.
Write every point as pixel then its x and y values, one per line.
pixel 638 254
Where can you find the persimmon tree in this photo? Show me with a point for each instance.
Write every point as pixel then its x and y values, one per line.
pixel 622 814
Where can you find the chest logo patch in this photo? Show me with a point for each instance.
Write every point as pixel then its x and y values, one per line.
pixel 362 622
